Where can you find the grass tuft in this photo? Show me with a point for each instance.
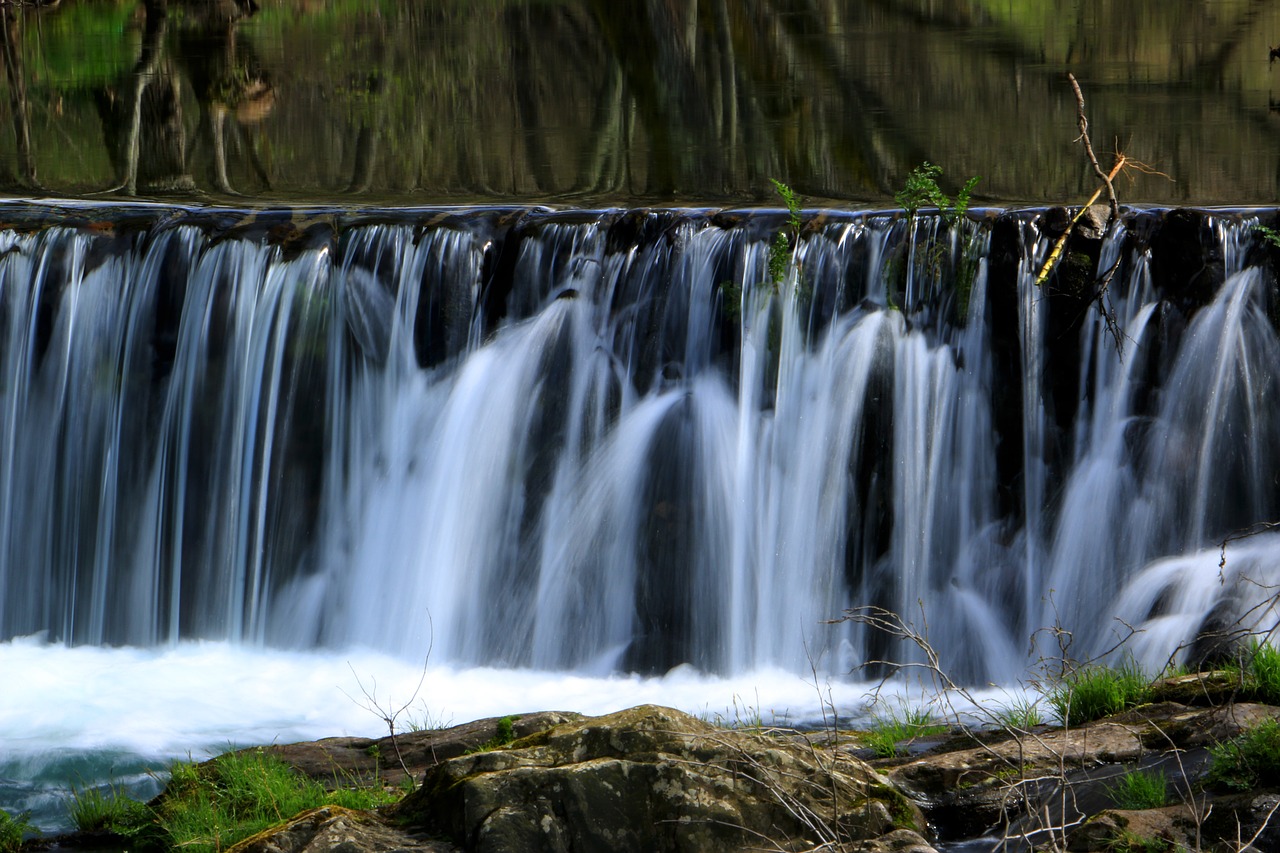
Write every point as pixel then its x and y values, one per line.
pixel 1262 674
pixel 889 731
pixel 1093 692
pixel 1138 790
pixel 210 807
pixel 1020 714
pixel 1249 761
pixel 504 735
pixel 107 809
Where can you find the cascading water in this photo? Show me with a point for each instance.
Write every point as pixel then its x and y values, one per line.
pixel 603 441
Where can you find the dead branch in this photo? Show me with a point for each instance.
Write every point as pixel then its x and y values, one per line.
pixel 1083 122
pixel 390 713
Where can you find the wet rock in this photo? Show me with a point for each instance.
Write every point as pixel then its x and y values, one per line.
pixel 1092 224
pixel 652 778
pixel 1186 260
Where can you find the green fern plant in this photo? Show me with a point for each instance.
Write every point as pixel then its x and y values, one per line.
pixel 782 247
pixel 920 190
pixel 13 829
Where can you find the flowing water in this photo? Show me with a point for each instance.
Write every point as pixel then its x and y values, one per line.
pixel 583 459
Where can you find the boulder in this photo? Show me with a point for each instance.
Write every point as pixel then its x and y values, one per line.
pixel 655 779
pixel 1170 828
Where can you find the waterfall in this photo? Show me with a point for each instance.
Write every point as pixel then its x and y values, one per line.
pixel 604 441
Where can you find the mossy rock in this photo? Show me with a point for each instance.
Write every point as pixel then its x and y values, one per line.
pixel 652 778
pixel 1198 688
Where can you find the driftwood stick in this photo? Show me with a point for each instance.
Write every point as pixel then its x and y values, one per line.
pixel 1054 256
pixel 1083 123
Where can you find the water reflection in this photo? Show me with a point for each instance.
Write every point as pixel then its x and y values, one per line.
pixel 593 101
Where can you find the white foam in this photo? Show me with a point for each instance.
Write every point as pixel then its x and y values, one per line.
pixel 119 716
pixel 205 696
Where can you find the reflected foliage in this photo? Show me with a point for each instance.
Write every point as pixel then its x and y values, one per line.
pixel 587 101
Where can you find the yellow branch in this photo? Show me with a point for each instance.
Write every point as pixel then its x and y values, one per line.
pixel 1052 260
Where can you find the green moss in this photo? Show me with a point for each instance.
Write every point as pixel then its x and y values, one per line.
pixel 731 300
pixel 536 739
pixel 901 809
pixel 1075 273
pixel 1129 842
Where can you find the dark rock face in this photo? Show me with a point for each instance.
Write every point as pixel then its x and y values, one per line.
pixel 653 779
pixel 1186 260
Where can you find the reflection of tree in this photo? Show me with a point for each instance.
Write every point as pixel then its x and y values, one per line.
pixel 142 116
pixel 233 91
pixel 143 128
pixel 11 18
pixel 655 99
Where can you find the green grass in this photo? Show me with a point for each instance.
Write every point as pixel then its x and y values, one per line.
pixel 13 828
pixel 889 731
pixel 1094 692
pixel 1021 714
pixel 1249 761
pixel 1130 842
pixel 929 255
pixel 209 807
pixel 503 736
pixel 921 190
pixel 1262 674
pixel 106 809
pixel 1137 790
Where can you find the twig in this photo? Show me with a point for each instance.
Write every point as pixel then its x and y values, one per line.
pixel 389 714
pixel 1083 123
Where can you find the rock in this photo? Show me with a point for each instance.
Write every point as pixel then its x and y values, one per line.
pixel 338 830
pixel 1092 224
pixel 1167 724
pixel 342 761
pixel 900 841
pixel 653 778
pixel 1186 260
pixel 1197 688
pixel 1113 829
pixel 1023 785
